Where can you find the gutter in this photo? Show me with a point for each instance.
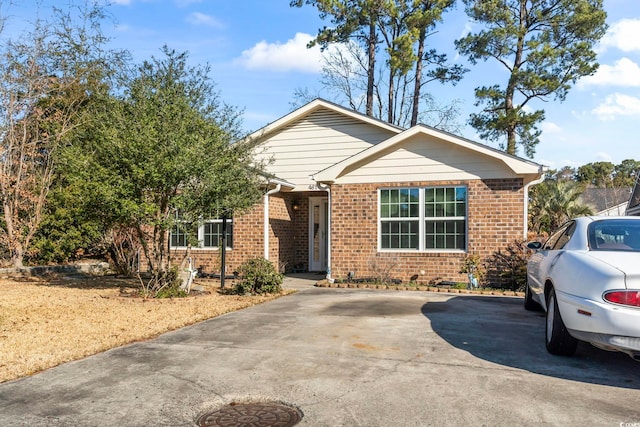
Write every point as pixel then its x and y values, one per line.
pixel 266 218
pixel 543 169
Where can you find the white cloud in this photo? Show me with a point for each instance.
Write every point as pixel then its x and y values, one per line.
pixel 624 72
pixel 290 56
pixel 603 157
pixel 468 26
pixel 121 2
pixel 558 164
pixel 197 18
pixel 550 127
pixel 617 104
pixel 623 35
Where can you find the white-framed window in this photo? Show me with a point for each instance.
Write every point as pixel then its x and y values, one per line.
pixel 423 218
pixel 400 218
pixel 208 234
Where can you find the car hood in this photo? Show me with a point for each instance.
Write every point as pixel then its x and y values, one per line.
pixel 626 262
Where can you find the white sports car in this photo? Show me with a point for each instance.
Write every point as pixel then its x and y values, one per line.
pixel 586 277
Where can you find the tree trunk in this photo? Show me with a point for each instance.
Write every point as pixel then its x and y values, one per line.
pixel 390 112
pixel 509 109
pixel 11 239
pixel 17 257
pixel 371 68
pixel 418 80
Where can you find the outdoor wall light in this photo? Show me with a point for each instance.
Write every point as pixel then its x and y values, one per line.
pixel 295 205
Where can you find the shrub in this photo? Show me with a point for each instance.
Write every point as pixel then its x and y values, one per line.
pixel 172 291
pixel 259 276
pixel 381 268
pixel 509 267
pixel 165 284
pixel 472 264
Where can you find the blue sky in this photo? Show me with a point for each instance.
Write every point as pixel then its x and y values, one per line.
pixel 256 49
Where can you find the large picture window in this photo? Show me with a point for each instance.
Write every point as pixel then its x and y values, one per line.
pixel 208 234
pixel 432 218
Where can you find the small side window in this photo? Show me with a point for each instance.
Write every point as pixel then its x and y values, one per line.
pixel 565 237
pixel 560 237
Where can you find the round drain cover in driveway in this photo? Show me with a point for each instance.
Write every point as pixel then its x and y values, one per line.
pixel 251 415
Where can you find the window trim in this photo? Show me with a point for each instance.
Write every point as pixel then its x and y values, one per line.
pixel 422 219
pixel 200 231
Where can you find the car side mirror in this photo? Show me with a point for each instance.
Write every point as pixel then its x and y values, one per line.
pixel 534 245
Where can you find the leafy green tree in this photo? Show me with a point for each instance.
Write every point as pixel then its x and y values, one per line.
pixel 552 203
pixel 66 233
pixel 422 19
pixel 404 25
pixel 567 173
pixel 166 143
pixel 47 77
pixel 608 175
pixel 545 46
pixel 598 174
pixel 626 173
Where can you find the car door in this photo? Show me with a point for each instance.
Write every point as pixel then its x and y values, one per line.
pixel 541 263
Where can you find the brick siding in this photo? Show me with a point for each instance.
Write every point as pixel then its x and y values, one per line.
pixel 288 237
pixel 495 219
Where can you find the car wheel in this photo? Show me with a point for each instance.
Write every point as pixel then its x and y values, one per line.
pixel 529 303
pixel 558 339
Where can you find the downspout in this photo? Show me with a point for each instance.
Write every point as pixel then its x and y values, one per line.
pixel 266 219
pixel 327 188
pixel 526 200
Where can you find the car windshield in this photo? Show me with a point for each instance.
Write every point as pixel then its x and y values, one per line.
pixel 614 235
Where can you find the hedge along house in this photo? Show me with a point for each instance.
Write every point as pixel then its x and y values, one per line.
pixel 354 196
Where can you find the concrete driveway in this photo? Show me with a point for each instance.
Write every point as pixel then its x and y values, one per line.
pixel 344 357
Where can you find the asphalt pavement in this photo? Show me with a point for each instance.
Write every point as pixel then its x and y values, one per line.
pixel 343 357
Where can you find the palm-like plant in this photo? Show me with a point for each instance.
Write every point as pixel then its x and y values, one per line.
pixel 551 203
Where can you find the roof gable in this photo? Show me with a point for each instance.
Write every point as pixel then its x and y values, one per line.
pixel 315 137
pixel 314 106
pixel 452 157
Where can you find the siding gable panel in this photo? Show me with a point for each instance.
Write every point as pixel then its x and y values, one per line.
pixel 315 142
pixel 421 158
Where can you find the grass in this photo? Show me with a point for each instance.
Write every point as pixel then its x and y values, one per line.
pixel 46 322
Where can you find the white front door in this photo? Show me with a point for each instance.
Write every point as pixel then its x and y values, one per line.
pixel 318 221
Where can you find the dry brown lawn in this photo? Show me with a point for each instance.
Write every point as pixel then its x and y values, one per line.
pixel 46 322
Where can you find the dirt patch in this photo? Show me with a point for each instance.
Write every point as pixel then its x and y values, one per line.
pixel 44 323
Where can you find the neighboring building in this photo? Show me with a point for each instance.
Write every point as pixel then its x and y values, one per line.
pixel 352 195
pixel 633 207
pixel 606 201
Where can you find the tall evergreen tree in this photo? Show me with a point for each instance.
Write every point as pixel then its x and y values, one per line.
pixel 393 93
pixel 352 19
pixel 545 45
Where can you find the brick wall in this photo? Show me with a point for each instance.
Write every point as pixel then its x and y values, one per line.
pixel 247 243
pixel 495 219
pixel 288 236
